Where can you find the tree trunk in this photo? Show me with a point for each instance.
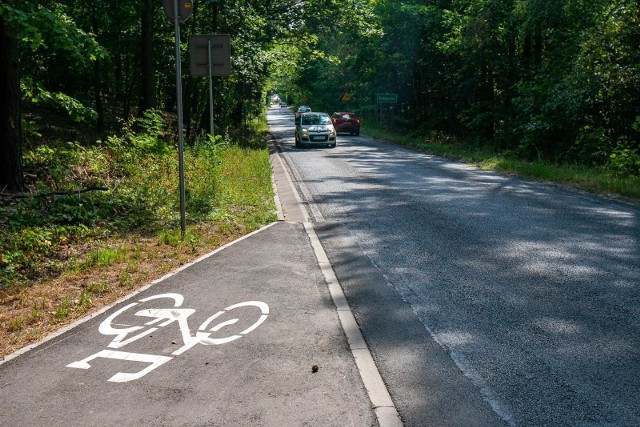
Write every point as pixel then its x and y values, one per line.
pixel 96 79
pixel 11 176
pixel 148 99
pixel 537 46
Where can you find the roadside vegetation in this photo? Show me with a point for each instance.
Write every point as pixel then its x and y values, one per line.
pixel 613 181
pixel 546 89
pixel 89 200
pixel 65 253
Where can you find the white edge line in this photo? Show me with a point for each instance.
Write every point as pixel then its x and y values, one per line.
pixel 64 329
pixel 276 197
pixel 383 406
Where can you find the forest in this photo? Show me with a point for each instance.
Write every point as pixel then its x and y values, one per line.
pixel 90 66
pixel 537 79
pixel 89 200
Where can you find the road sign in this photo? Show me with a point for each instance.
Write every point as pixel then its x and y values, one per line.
pixel 346 97
pixel 387 98
pixel 215 46
pixel 184 9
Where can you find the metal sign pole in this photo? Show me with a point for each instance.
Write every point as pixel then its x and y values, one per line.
pixel 210 89
pixel 176 23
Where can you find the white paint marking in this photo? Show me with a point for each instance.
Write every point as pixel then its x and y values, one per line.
pixel 164 317
pixel 106 308
pixel 122 377
pixel 384 408
pixel 223 324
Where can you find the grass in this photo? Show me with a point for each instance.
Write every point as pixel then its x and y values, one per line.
pixel 595 180
pixel 592 179
pixel 60 260
pixel 103 257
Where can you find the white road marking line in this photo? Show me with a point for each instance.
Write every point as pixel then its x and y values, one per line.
pixel 383 405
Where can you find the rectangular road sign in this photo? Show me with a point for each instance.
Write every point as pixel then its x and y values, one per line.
pixel 387 98
pixel 220 54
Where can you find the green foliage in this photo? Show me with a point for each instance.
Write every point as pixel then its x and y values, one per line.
pixel 74 210
pixel 56 56
pixel 40 27
pixel 64 308
pixel 83 59
pixel 624 162
pixel 558 83
pixel 37 95
pixel 27 249
pixel 170 237
pixel 96 289
pixel 103 257
pixel 140 169
pixel 145 135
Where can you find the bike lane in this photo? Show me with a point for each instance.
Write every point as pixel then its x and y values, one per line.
pixel 175 355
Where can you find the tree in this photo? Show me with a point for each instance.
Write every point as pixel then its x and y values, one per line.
pixel 148 98
pixel 11 176
pixel 535 77
pixel 36 26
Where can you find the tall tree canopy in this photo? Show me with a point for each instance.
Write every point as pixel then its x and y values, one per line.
pixel 538 78
pixel 543 79
pixel 97 63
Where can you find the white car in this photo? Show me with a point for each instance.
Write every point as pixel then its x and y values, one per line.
pixel 314 129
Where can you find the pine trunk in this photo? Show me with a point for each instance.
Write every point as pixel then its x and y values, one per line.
pixel 148 99
pixel 11 177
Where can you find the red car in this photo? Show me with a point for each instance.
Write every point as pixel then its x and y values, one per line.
pixel 346 122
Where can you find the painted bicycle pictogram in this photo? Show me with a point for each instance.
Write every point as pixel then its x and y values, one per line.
pixel 206 334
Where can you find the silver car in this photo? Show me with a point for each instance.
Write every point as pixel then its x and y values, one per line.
pixel 314 129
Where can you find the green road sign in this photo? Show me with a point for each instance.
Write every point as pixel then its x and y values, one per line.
pixel 387 98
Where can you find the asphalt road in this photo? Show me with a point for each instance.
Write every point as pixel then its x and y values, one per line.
pixel 484 299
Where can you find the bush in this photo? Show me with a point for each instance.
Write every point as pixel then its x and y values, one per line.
pixel 624 162
pixel 225 183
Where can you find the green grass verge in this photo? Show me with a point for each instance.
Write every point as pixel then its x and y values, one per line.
pixel 592 179
pixel 228 188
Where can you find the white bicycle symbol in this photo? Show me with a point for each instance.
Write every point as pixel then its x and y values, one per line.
pixel 162 317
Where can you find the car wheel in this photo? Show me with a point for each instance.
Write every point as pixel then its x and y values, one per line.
pixel 357 133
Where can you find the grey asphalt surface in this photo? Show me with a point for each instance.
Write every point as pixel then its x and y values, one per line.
pixel 485 300
pixel 265 377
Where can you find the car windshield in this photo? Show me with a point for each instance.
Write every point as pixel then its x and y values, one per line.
pixel 347 116
pixel 316 119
